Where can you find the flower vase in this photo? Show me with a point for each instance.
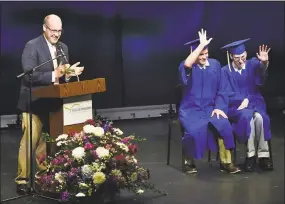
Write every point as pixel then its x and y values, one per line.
pixel 106 191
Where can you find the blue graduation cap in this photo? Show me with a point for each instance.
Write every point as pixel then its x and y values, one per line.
pixel 236 47
pixel 194 44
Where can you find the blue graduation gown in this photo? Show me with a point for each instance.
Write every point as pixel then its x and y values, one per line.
pixel 247 85
pixel 204 90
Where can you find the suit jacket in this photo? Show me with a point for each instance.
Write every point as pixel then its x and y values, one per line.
pixel 36 52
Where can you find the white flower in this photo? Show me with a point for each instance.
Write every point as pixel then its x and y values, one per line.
pixel 116 137
pixel 90 129
pixel 86 171
pixel 123 146
pixel 61 143
pixel 61 137
pixel 78 153
pixel 140 191
pixel 98 131
pixel 83 185
pixel 80 195
pixel 59 177
pixel 118 131
pixel 102 152
pixel 135 160
pixel 96 166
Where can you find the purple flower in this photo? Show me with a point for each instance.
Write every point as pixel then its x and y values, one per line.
pixel 46 179
pixel 106 126
pixel 94 154
pixel 72 173
pixel 74 170
pixel 65 196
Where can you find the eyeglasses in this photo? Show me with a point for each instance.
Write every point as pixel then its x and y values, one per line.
pixel 54 31
pixel 239 58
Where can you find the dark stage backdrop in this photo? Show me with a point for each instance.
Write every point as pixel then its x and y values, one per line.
pixel 137 46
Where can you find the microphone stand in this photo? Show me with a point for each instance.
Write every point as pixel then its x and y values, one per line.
pixel 31 191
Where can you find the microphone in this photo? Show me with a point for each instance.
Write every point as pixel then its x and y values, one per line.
pixel 62 53
pixel 30 71
pixel 64 56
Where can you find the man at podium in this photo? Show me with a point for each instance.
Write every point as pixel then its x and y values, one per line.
pixel 37 51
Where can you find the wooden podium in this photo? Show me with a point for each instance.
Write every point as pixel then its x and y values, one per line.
pixel 71 106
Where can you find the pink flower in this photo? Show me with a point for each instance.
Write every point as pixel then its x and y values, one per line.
pixel 90 122
pixel 69 161
pixel 71 133
pixel 58 161
pixel 125 140
pixel 88 146
pixel 74 170
pixel 133 148
pixel 108 146
pixel 120 157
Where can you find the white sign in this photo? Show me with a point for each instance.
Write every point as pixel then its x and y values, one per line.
pixel 77 110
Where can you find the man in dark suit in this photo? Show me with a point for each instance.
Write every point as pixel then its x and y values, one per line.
pixel 36 52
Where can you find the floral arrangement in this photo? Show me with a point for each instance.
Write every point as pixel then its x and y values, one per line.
pixel 98 155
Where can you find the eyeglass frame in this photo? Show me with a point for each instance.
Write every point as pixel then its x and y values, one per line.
pixel 54 31
pixel 236 59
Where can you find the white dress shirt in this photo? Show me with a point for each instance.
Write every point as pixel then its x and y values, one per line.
pixel 52 50
pixel 204 66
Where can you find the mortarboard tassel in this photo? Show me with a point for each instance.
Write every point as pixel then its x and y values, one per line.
pixel 228 58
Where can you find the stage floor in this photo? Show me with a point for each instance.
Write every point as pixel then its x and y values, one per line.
pixel 208 186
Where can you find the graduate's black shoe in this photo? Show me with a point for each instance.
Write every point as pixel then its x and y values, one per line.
pixel 190 168
pixel 265 164
pixel 249 164
pixel 22 189
pixel 230 168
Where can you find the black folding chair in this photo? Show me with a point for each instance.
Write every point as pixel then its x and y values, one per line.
pixel 172 117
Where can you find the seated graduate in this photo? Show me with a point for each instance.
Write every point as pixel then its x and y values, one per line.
pixel 247 108
pixel 204 105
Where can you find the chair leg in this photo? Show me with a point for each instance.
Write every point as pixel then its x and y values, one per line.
pixel 270 151
pixel 209 156
pixel 183 162
pixel 168 142
pixel 235 151
pixel 218 156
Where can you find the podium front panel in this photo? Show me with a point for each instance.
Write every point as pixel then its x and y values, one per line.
pixel 77 109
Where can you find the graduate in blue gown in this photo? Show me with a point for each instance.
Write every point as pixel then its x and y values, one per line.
pixel 204 105
pixel 247 108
